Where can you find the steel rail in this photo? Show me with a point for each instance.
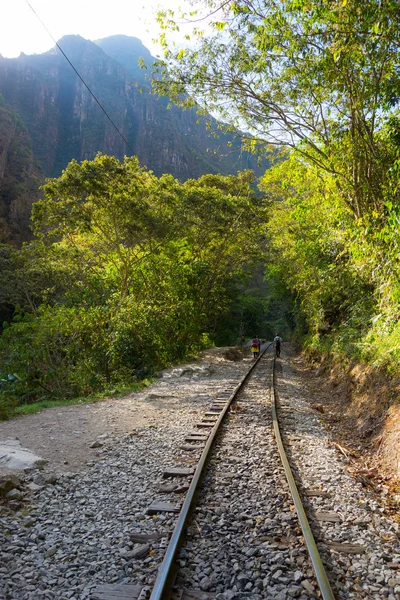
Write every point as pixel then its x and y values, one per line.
pixel 163 583
pixel 318 566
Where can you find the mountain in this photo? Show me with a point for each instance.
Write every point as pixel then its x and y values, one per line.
pixel 127 50
pixel 50 117
pixel 20 176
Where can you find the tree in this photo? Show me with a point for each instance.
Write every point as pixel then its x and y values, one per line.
pixel 129 272
pixel 318 76
pixel 314 253
pixel 108 212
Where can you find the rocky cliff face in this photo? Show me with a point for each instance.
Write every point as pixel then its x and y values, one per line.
pixel 60 120
pixel 20 176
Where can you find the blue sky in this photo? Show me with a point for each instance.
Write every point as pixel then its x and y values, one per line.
pixel 20 30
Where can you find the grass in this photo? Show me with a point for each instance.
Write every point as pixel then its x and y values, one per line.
pixel 30 409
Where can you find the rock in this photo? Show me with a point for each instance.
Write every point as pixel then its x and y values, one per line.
pixel 14 495
pixel 205 584
pixel 50 478
pixel 298 576
pixel 228 595
pixel 158 396
pixel 8 483
pixel 96 444
pixel 139 552
pixel 233 354
pixel 39 479
pixel 14 456
pixel 277 574
pixel 34 487
pixel 307 586
pixel 188 371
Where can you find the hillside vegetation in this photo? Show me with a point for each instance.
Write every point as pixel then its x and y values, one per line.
pixel 128 273
pixel 320 80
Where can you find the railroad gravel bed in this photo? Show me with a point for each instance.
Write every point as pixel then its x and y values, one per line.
pixel 373 572
pixel 244 540
pixel 73 531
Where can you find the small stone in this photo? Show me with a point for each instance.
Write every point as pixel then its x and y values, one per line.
pixel 34 487
pixel 307 586
pixel 8 483
pixel 50 478
pixel 51 551
pixel 96 444
pixel 277 574
pixel 205 584
pixel 14 495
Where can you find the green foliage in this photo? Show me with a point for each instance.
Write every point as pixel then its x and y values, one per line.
pixel 320 80
pixel 129 273
pixel 343 272
pixel 318 77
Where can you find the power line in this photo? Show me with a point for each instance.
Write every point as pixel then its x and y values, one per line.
pixel 81 78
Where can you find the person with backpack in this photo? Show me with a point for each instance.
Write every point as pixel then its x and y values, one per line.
pixel 277 342
pixel 255 346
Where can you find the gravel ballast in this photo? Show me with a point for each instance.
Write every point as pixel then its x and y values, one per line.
pixel 76 530
pixel 72 530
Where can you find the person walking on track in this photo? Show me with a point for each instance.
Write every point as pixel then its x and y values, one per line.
pixel 277 342
pixel 255 346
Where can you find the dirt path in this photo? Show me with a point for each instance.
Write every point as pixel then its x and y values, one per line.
pixel 63 435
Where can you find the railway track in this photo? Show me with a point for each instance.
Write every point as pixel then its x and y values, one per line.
pixel 242 525
pixel 86 536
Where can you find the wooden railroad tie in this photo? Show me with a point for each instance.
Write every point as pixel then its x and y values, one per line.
pixel 114 591
pixel 186 459
pixel 176 488
pixel 183 594
pixel 117 592
pixel 317 494
pixel 329 517
pixel 345 548
pixel 160 507
pixel 141 538
pixel 178 472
